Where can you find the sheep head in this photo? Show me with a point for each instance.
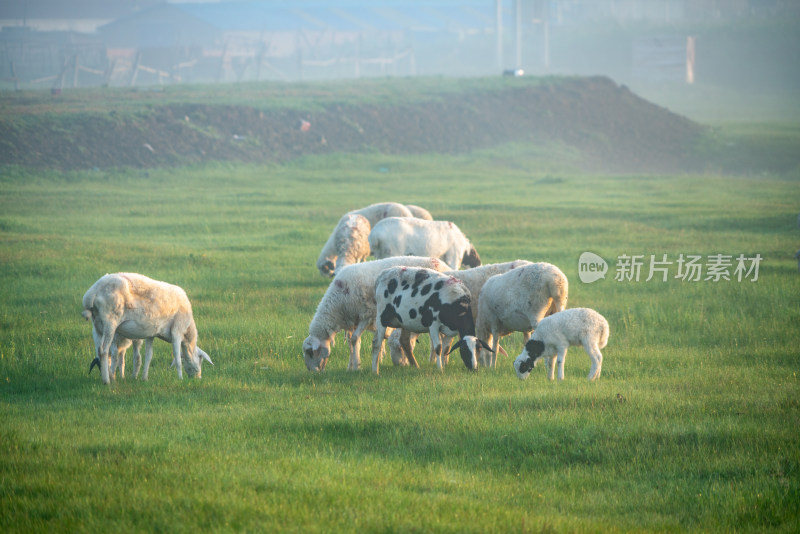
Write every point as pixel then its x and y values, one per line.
pixel 528 358
pixel 469 346
pixel 316 353
pixel 327 267
pixel 471 257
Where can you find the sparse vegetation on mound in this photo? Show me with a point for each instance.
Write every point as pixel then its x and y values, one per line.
pixel 611 127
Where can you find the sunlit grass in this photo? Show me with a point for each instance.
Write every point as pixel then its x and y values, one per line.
pixel 691 426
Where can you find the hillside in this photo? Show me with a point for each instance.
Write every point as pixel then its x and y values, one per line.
pixel 611 128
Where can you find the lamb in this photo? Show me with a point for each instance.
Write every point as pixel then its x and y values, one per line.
pixel 137 307
pixel 349 304
pixel 399 347
pixel 516 301
pixel 423 300
pixel 401 236
pixel 349 239
pixel 555 334
pixel 348 244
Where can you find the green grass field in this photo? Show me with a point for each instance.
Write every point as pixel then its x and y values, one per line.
pixel 691 427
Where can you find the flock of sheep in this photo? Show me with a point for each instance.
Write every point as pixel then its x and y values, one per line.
pixel 414 286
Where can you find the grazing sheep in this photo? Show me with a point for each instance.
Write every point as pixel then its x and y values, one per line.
pixel 474 279
pixel 349 238
pixel 516 301
pixel 349 304
pixel 348 244
pixel 554 335
pixel 138 307
pixel 422 300
pixel 419 213
pixel 403 236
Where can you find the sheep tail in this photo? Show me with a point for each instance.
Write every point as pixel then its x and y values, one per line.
pixel 88 304
pixel 558 295
pixel 604 335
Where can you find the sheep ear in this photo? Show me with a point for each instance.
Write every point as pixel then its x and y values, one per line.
pixel 483 344
pixel 502 351
pixel 95 363
pixel 458 345
pixel 203 355
pixel 535 348
pixel 315 344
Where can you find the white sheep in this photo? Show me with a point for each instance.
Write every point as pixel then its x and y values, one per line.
pixel 554 335
pixel 403 236
pixel 349 237
pixel 349 305
pixel 401 343
pixel 348 244
pixel 419 300
pixel 516 301
pixel 138 307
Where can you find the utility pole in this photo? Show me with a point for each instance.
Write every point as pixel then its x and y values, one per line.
pixel 518 32
pixel 498 32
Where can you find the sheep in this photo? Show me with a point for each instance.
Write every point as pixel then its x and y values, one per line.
pixel 138 307
pixel 347 244
pixel 348 239
pixel 400 236
pixel 349 304
pixel 554 335
pixel 418 299
pixel 474 279
pixel 516 301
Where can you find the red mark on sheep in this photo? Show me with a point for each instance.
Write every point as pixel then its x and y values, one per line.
pixel 342 286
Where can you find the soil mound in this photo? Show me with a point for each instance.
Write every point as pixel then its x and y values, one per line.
pixel 611 127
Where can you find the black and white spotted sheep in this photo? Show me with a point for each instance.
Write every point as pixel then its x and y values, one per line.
pixel 554 335
pixel 422 300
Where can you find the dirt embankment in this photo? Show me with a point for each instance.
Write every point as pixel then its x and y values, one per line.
pixel 613 128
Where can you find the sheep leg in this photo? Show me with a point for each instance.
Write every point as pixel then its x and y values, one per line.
pixel 104 346
pixel 436 346
pixel 551 367
pixel 137 357
pixel 597 360
pixel 355 347
pixel 562 355
pixel 408 340
pixel 377 347
pixel 447 342
pixel 483 354
pixel 148 356
pixel 118 361
pixel 493 355
pixel 176 354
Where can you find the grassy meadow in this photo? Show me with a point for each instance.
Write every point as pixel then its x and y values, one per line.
pixel 691 427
